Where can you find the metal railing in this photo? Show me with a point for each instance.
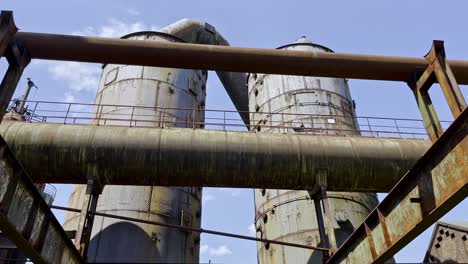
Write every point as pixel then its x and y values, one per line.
pixel 143 116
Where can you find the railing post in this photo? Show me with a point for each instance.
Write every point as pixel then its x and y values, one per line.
pixel 131 116
pixel 339 124
pixel 163 117
pixel 193 117
pixel 282 122
pixel 33 112
pixel 370 128
pixel 66 115
pixel 224 122
pixel 99 113
pixel 396 125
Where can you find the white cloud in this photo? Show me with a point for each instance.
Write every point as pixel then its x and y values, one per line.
pixel 79 76
pixel 220 251
pixel 232 191
pixel 69 98
pixel 206 197
pixel 115 28
pixel 82 78
pixel 203 249
pixel 252 230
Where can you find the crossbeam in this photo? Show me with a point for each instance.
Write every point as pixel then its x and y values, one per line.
pixel 223 58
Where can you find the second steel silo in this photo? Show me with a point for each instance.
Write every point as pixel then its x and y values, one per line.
pixel 162 97
pixel 292 104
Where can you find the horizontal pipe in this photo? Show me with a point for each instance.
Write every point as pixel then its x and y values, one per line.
pixel 223 58
pixel 59 153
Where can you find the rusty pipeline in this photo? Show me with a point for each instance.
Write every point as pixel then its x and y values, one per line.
pixel 59 153
pixel 223 58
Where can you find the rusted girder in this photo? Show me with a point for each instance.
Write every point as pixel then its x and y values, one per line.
pixel 7 30
pixel 187 157
pixel 437 182
pixel 26 218
pixel 222 58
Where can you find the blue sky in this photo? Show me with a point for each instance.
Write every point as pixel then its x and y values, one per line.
pixel 400 28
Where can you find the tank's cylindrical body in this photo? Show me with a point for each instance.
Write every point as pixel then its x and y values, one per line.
pixel 282 103
pixel 153 91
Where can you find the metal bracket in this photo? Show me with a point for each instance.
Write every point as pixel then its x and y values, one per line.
pixel 437 70
pixel 85 223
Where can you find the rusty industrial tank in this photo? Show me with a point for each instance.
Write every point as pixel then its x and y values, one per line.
pixel 292 104
pixel 155 92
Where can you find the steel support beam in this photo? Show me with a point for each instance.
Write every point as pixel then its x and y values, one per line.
pixel 7 30
pixel 26 218
pixel 437 182
pixel 85 223
pixel 18 58
pixel 187 157
pixel 223 58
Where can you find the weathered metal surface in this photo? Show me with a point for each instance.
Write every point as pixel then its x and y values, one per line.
pixel 18 59
pixel 289 98
pixel 446 78
pixel 437 70
pixel 146 88
pixel 86 221
pixel 198 32
pixel 7 30
pixel 448 243
pixel 26 218
pixel 231 59
pixel 437 182
pixel 187 157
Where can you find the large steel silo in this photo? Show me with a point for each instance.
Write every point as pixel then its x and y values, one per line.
pixel 276 103
pixel 120 241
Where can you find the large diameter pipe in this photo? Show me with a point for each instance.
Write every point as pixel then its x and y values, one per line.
pixel 235 83
pixel 223 58
pixel 58 153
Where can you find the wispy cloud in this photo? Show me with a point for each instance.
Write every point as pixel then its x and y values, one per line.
pixel 232 191
pixel 220 251
pixel 115 28
pixel 252 230
pixel 206 197
pixel 82 79
pixel 79 76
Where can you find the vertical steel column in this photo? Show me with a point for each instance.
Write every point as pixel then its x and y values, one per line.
pixel 7 30
pixel 17 58
pixel 85 223
pixel 321 227
pixel 439 70
pixel 326 231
